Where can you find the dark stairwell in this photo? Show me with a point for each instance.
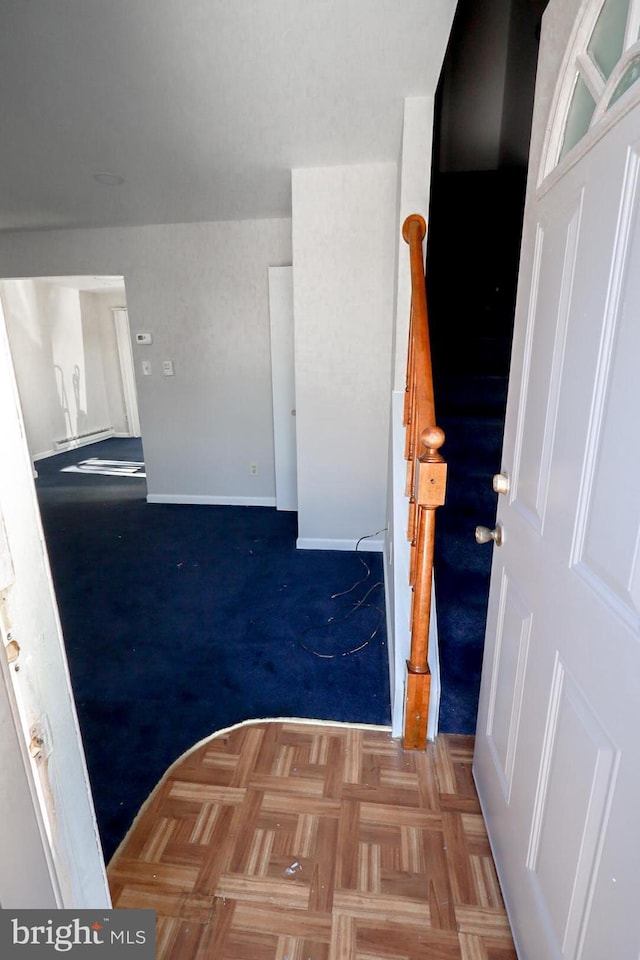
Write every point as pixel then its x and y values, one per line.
pixel 482 130
pixel 474 240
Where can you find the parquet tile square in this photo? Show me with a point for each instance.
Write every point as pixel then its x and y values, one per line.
pixel 294 841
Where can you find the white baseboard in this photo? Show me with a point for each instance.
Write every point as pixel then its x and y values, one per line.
pixel 211 501
pixel 72 443
pixel 316 543
pixel 76 444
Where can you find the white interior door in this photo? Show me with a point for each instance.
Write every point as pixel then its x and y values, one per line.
pixel 51 777
pixel 556 750
pixel 283 386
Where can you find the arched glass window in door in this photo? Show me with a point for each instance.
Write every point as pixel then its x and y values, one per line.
pixel 602 65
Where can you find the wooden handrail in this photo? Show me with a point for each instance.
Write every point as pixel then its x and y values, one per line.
pixel 426 486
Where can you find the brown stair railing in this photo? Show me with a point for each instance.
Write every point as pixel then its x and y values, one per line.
pixel 426 484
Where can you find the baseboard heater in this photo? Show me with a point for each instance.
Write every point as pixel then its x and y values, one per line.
pixel 92 436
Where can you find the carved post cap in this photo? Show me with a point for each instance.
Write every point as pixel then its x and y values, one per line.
pixel 413 221
pixel 432 438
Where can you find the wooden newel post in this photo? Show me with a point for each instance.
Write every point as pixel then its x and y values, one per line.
pixel 426 485
pixel 418 674
pixel 429 495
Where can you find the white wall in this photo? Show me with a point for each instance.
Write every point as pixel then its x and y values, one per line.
pixel 474 87
pixel 487 96
pixel 64 354
pixel 519 84
pixel 201 289
pixel 343 228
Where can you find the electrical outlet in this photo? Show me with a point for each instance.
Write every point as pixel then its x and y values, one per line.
pixel 253 467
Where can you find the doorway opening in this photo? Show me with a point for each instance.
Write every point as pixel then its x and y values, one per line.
pixel 70 347
pixel 71 352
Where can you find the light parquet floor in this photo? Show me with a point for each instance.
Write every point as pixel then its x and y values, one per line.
pixel 292 841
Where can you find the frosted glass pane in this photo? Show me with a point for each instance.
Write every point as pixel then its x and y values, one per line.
pixel 607 40
pixel 628 78
pixel 579 118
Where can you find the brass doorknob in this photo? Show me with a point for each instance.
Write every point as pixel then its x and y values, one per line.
pixel 501 483
pixel 484 535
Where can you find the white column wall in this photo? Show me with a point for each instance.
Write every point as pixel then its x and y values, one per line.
pixel 343 231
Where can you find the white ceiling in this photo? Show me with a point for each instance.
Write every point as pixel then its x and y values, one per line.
pixel 203 106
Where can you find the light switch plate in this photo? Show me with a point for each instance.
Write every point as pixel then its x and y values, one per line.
pixel 167 368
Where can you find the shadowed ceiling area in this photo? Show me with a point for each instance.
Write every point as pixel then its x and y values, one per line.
pixel 203 107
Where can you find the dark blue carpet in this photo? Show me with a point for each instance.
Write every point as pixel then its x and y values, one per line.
pixel 181 620
pixel 463 568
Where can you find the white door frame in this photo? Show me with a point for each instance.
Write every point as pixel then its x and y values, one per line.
pixel 127 369
pixel 27 873
pixel 283 386
pixel 65 862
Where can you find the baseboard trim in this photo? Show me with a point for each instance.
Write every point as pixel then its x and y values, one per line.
pixel 76 446
pixel 211 501
pixel 316 543
pixel 44 455
pixel 85 440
